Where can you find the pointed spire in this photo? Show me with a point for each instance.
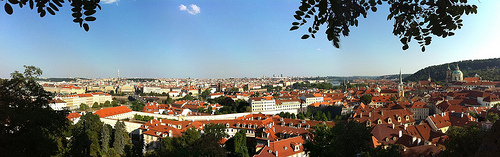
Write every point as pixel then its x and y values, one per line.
pixel 400 77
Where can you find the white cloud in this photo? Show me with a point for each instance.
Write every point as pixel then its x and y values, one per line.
pixel 193 10
pixel 182 7
pixel 109 1
pixel 319 49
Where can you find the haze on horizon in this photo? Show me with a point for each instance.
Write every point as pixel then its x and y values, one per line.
pixel 222 39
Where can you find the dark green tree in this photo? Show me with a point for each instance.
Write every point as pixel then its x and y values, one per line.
pixel 343 139
pixel 237 145
pixel 301 116
pixel 105 137
pixel 390 151
pixel 492 117
pixel 308 114
pixel 86 134
pixel 107 104
pixel 121 137
pixel 216 130
pixel 28 126
pixel 84 107
pixel 366 99
pixel 204 94
pixel 463 141
pixel 82 9
pixel 114 103
pixel 413 19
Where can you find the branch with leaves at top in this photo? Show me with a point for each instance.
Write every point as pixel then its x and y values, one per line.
pixel 82 9
pixel 413 19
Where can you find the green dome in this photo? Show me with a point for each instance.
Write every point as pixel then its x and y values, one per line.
pixel 457 72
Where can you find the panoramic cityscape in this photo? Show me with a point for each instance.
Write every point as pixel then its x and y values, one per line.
pixel 240 78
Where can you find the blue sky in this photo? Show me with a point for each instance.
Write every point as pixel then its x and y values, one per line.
pixel 221 39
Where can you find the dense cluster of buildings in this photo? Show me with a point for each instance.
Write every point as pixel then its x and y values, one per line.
pixel 415 115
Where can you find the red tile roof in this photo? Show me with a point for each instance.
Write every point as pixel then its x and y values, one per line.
pixel 112 111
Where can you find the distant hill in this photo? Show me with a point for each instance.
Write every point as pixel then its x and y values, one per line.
pixel 487 69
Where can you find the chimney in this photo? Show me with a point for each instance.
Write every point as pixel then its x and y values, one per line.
pixel 393 125
pixel 400 133
pixel 276 153
pixel 369 114
pixel 381 112
pixel 361 115
pixel 268 143
pixel 404 126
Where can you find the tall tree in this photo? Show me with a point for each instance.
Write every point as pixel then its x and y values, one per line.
pixel 86 134
pixel 105 137
pixel 28 126
pixel 121 137
pixel 240 144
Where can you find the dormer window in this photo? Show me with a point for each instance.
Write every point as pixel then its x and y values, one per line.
pixel 296 148
pixel 407 118
pixel 379 121
pixel 290 124
pixel 394 138
pixel 368 123
pixel 227 125
pixel 389 120
pixel 179 126
pixel 399 119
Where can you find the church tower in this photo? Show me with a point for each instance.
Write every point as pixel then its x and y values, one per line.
pixel 401 92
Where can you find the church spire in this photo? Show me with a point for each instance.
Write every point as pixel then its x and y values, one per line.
pixel 400 77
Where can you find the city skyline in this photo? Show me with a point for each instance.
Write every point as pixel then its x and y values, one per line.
pixel 223 39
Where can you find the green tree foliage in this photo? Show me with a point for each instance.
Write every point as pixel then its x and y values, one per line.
pixel 240 144
pixel 86 134
pixel 301 116
pixel 417 20
pixel 192 144
pixel 343 139
pixel 308 85
pixel 463 141
pixel 28 126
pixel 187 97
pixel 390 151
pixel 169 100
pixel 84 107
pixel 273 89
pixel 216 130
pixel 137 105
pixel 366 99
pixel 105 137
pixel 487 69
pixel 107 104
pixel 121 137
pixel 205 93
pixel 95 105
pixel 308 114
pixel 82 9
pixel 492 117
pixel 114 103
